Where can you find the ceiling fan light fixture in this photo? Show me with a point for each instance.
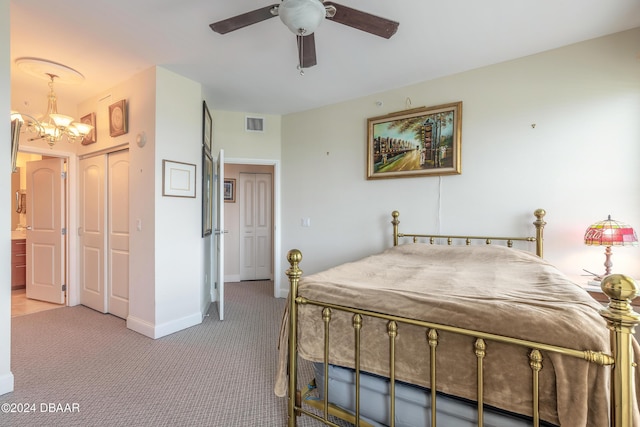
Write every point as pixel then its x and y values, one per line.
pixel 302 17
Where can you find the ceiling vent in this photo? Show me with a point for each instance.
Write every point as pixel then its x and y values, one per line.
pixel 254 124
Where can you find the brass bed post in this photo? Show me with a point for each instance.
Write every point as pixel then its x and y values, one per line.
pixel 395 223
pixel 294 273
pixel 621 321
pixel 539 224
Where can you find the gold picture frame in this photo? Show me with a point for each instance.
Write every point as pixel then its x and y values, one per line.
pixel 118 120
pixel 207 193
pixel 89 119
pixel 424 141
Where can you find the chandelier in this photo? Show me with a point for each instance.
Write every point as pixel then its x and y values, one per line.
pixel 52 126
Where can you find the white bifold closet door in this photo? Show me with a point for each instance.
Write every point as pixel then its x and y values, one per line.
pixel 255 195
pixel 104 233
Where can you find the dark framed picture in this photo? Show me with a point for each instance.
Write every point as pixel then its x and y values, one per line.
pixel 89 119
pixel 418 142
pixel 207 127
pixel 229 190
pixel 118 118
pixel 207 193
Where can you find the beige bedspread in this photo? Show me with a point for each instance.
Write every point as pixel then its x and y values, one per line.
pixel 492 289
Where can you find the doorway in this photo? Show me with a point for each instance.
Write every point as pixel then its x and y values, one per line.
pixel 67 200
pixel 233 168
pixel 255 192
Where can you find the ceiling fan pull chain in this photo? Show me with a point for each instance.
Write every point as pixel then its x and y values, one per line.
pixel 301 32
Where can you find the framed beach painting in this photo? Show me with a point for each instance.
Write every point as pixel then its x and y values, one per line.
pixel 424 141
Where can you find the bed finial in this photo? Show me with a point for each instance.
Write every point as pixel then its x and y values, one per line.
pixel 621 320
pixel 294 256
pixel 395 222
pixel 539 224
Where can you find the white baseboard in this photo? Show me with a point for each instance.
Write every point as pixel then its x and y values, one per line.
pixel 162 330
pixel 140 326
pixel 232 278
pixel 283 293
pixel 6 383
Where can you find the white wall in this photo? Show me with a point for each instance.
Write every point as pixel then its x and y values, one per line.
pixel 140 92
pixel 579 162
pixel 229 134
pixel 178 221
pixel 6 377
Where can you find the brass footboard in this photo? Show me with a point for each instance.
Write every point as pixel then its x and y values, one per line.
pixel 619 315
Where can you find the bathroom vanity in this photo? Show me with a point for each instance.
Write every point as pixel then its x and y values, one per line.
pixel 18 260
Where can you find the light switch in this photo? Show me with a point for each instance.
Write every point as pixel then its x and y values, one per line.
pixel 305 222
pixel 139 224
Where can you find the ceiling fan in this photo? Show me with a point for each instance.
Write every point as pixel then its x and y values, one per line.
pixel 303 17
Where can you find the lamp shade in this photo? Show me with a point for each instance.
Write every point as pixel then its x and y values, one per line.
pixel 302 17
pixel 610 233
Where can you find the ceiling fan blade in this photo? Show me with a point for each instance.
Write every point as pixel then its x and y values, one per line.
pixel 363 21
pixel 307 50
pixel 240 21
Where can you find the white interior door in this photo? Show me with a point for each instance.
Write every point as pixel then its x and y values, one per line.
pixel 118 234
pixel 92 233
pixel 255 226
pixel 45 239
pixel 219 232
pixel 104 233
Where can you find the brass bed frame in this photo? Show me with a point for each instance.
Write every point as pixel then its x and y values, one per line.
pixel 619 315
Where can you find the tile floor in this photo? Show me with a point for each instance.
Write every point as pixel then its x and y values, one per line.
pixel 21 305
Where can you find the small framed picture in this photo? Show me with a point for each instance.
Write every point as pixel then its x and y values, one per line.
pixel 229 190
pixel 178 179
pixel 118 118
pixel 89 119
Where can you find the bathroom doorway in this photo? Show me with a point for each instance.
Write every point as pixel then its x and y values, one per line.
pixel 29 154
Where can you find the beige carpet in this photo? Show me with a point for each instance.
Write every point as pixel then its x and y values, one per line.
pixel 103 374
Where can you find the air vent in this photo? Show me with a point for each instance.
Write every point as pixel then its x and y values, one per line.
pixel 254 124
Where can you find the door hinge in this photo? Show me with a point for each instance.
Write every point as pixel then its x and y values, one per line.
pixel 64 288
pixel 63 175
pixel 64 231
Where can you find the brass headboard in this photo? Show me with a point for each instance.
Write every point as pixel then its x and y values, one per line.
pixel 539 223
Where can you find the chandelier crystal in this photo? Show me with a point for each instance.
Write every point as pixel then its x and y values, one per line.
pixel 53 126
